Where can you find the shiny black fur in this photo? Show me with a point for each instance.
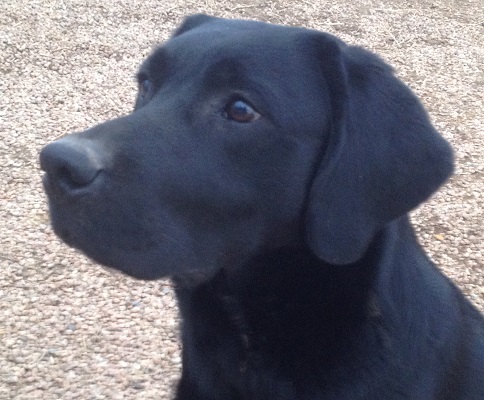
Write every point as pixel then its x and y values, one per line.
pixel 298 273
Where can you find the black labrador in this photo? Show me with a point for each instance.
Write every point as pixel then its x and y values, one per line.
pixel 268 171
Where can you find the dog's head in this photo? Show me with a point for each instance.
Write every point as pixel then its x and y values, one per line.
pixel 245 137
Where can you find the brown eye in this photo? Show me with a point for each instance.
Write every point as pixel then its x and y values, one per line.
pixel 240 111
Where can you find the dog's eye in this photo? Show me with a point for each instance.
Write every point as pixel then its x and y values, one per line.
pixel 240 111
pixel 144 87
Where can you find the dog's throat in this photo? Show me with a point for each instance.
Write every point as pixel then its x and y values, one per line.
pixel 276 305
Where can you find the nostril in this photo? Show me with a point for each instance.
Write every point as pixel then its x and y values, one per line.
pixel 75 178
pixel 70 163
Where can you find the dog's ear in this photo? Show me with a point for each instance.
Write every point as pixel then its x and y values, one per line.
pixel 383 156
pixel 191 22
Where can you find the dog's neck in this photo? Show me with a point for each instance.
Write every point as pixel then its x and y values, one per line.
pixel 284 297
pixel 249 320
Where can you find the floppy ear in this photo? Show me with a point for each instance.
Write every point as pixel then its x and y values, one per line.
pixel 383 157
pixel 191 22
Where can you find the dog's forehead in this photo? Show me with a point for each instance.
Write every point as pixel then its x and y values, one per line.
pixel 248 42
pixel 240 31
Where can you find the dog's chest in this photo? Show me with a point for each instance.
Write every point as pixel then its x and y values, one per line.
pixel 241 351
pixel 273 326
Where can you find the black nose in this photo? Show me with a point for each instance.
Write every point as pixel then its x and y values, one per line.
pixel 71 163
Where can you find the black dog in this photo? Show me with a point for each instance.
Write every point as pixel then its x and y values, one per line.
pixel 268 171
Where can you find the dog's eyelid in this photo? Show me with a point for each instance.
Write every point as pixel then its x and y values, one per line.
pixel 144 84
pixel 241 111
pixel 141 76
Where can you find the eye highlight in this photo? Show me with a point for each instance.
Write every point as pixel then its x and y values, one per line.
pixel 144 87
pixel 241 111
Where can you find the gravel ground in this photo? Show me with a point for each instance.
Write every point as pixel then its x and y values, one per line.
pixel 68 330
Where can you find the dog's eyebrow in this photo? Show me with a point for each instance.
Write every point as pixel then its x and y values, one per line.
pixel 140 75
pixel 155 67
pixel 226 72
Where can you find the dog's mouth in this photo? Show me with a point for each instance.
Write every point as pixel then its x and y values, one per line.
pixel 120 244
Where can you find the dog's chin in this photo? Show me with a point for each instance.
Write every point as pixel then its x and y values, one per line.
pixel 145 264
pixel 119 273
pixel 116 266
pixel 143 261
pixel 144 267
pixel 192 279
pixel 183 280
pixel 112 271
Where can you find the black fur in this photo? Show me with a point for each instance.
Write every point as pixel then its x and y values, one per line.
pixel 298 273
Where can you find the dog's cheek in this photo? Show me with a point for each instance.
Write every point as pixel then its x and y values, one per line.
pixel 288 171
pixel 274 169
